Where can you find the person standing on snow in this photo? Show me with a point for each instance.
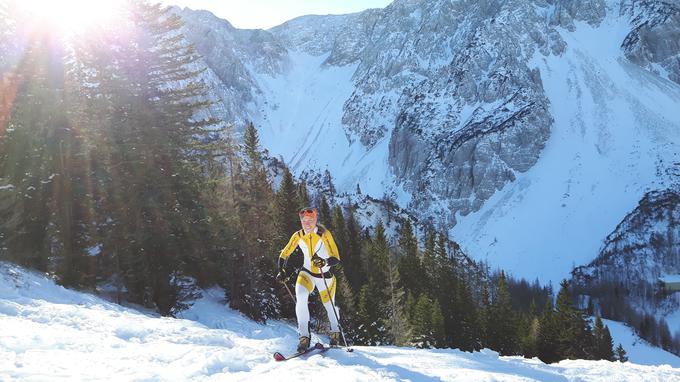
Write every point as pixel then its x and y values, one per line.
pixel 320 254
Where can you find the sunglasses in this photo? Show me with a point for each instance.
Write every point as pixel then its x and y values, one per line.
pixel 307 212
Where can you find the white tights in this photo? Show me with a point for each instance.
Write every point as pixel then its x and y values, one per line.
pixel 302 299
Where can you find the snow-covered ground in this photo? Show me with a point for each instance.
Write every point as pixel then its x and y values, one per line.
pixel 616 130
pixel 48 333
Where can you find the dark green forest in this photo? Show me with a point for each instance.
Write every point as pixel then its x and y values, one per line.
pixel 111 184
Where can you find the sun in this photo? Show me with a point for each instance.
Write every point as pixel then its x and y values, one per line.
pixel 70 16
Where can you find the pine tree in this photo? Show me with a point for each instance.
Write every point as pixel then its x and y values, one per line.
pixel 252 288
pixel 421 322
pixel 347 307
pixel 429 264
pixel 339 232
pixel 437 323
pixel 371 329
pixel 548 335
pixel 325 214
pixel 375 258
pixel 620 354
pixel 303 195
pixel 351 258
pixel 372 298
pixel 286 220
pixel 575 336
pixel 529 343
pixel 603 348
pixel 502 324
pixel 397 322
pixel 410 269
pixel 25 164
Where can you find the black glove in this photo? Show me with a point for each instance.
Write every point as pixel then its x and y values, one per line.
pixel 282 275
pixel 318 261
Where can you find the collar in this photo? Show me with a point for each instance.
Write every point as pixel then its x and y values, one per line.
pixel 316 230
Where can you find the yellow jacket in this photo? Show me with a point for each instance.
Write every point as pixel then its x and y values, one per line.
pixel 321 243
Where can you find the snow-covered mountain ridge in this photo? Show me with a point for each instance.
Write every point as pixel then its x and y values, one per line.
pixel 53 334
pixel 643 248
pixel 529 128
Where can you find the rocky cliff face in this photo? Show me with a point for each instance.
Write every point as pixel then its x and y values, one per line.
pixel 654 41
pixel 449 85
pixel 233 56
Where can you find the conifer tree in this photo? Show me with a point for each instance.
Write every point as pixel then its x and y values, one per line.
pixel 286 220
pixel 286 223
pixel 303 195
pixel 25 163
pixel 397 321
pixel 347 307
pixel 548 335
pixel 252 288
pixel 437 323
pixel 375 256
pixel 421 323
pixel 410 269
pixel 339 232
pixel 371 329
pixel 604 345
pixel 501 324
pixel 429 263
pixel 351 258
pixel 529 343
pixel 325 214
pixel 371 306
pixel 620 354
pixel 575 337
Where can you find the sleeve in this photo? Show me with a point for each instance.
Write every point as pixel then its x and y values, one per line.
pixel 290 247
pixel 331 247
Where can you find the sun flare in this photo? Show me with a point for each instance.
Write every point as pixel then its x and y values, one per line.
pixel 70 16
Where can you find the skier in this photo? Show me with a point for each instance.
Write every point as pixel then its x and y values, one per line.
pixel 320 254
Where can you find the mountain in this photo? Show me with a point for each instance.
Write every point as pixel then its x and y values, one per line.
pixel 528 128
pixel 54 333
pixel 623 280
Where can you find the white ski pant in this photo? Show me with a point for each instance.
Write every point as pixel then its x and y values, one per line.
pixel 305 285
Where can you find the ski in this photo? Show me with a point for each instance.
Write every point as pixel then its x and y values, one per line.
pixel 318 346
pixel 345 348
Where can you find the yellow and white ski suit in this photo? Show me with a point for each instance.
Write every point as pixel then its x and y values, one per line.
pixel 321 243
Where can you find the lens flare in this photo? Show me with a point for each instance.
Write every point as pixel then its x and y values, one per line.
pixel 69 16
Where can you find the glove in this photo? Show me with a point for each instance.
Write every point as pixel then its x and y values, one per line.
pixel 318 261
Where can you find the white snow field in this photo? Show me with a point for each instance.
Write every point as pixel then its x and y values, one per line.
pixel 48 333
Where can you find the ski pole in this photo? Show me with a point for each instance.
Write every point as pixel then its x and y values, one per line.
pixel 334 311
pixel 289 292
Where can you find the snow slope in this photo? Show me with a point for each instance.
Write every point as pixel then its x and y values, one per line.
pixel 616 129
pixel 300 118
pixel 49 333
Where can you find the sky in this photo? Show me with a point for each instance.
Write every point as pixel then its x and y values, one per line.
pixel 269 13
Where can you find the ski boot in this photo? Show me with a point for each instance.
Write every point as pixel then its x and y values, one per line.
pixel 304 344
pixel 335 338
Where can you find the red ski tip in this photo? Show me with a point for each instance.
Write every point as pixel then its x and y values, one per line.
pixel 279 357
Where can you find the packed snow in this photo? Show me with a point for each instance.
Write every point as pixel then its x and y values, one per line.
pixel 53 334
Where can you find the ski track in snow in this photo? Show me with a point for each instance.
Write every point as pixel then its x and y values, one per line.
pixel 53 334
